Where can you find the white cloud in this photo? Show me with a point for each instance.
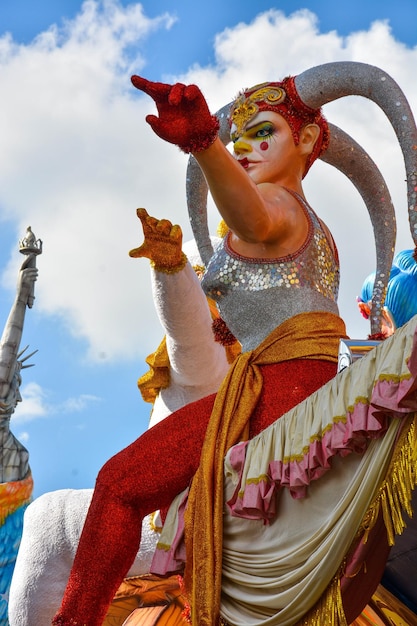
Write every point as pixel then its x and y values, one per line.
pixel 78 158
pixel 36 403
pixel 76 405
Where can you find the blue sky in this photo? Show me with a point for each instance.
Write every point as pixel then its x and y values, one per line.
pixel 199 22
pixel 76 159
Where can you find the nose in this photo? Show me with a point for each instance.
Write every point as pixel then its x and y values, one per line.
pixel 242 147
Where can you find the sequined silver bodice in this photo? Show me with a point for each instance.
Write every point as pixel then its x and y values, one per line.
pixel 255 295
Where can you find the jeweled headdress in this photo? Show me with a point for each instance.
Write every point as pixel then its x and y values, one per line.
pixel 280 97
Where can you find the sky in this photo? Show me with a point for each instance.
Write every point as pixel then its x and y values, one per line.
pixel 77 158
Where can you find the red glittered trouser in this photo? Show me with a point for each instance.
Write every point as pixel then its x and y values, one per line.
pixel 148 474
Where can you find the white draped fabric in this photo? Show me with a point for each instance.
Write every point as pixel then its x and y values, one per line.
pixel 274 573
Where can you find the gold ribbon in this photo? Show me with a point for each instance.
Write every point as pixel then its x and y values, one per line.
pixel 158 376
pixel 313 335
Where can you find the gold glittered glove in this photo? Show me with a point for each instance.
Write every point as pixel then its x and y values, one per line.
pixel 162 244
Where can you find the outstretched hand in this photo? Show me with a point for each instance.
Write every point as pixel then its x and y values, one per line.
pixel 162 244
pixel 184 117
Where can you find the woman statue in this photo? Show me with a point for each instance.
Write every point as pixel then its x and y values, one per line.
pixel 270 224
pixel 275 280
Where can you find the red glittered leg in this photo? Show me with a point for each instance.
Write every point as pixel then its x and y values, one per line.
pixel 143 477
pixel 108 544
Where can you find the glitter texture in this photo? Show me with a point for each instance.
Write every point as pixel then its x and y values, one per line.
pixel 268 290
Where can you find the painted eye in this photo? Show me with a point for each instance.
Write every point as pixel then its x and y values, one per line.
pixel 265 131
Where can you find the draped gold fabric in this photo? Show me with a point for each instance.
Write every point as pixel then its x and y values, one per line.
pixel 147 601
pixel 157 377
pixel 309 336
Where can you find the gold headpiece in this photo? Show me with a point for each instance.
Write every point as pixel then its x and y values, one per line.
pixel 247 106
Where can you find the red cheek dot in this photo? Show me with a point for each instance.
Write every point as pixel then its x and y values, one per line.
pixel 264 145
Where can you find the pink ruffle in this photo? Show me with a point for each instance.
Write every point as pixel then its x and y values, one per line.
pixel 391 398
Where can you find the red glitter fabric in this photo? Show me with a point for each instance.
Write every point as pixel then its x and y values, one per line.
pixel 148 474
pixel 364 570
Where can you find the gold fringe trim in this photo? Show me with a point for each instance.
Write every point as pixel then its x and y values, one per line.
pixel 314 335
pixel 328 610
pixel 393 499
pixel 394 495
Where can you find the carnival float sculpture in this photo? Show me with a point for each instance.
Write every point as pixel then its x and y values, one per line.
pixel 286 486
pixel 16 482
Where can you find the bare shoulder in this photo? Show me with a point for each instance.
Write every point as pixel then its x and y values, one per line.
pixel 288 225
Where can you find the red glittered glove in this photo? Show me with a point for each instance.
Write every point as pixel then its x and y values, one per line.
pixel 184 117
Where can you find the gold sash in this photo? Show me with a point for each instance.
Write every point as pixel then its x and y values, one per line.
pixel 313 335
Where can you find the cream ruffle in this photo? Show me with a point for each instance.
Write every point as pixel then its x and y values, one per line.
pixel 273 574
pixel 340 418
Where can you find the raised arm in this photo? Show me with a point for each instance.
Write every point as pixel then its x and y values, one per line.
pixel 252 212
pixel 197 363
pixel 12 333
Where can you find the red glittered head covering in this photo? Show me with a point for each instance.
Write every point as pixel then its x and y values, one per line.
pixel 282 98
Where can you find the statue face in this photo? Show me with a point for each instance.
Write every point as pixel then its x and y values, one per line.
pixel 266 148
pixel 8 405
pixel 18 397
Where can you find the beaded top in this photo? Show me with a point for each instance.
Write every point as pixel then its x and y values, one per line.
pixel 269 291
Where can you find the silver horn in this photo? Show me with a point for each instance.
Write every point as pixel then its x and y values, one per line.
pixel 332 81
